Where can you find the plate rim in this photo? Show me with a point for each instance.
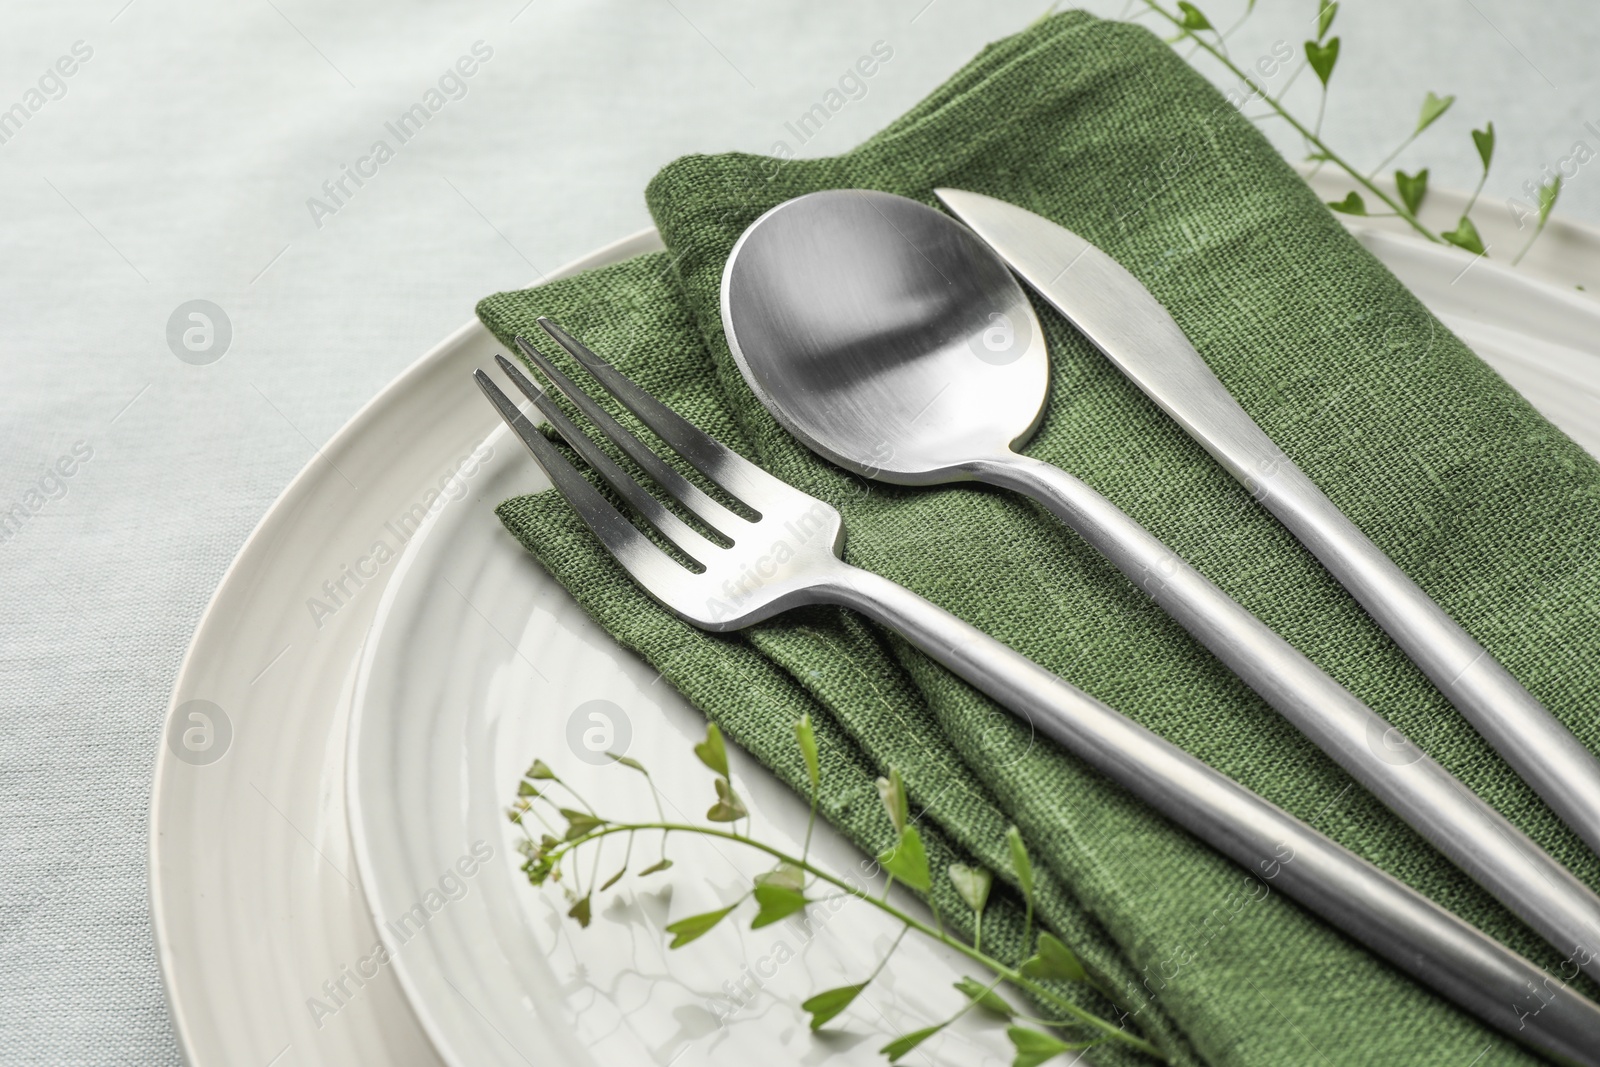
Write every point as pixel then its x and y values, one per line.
pixel 636 243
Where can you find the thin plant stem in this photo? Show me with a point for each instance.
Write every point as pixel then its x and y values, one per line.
pixel 661 814
pixel 537 815
pixel 575 796
pixel 1008 974
pixel 594 868
pixel 901 936
pixel 1391 156
pixel 811 823
pixel 1475 192
pixel 1537 230
pixel 1300 128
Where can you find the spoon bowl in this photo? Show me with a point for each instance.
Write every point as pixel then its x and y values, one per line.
pixel 885 335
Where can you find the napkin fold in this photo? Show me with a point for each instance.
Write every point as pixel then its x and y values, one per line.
pixel 1100 126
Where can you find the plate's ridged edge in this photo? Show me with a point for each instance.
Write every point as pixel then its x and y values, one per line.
pixel 647 240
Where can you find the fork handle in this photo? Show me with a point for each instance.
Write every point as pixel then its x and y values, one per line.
pixel 1475 837
pixel 1435 947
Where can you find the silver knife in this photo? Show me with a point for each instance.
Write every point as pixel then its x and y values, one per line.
pixel 1114 310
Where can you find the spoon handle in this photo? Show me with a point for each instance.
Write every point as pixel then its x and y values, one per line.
pixel 1474 836
pixel 1435 947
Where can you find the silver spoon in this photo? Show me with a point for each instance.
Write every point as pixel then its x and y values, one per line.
pixel 894 342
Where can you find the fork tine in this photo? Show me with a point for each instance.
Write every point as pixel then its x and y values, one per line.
pixel 744 480
pixel 682 489
pixel 681 534
pixel 632 549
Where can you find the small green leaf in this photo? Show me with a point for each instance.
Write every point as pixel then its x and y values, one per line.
pixel 526 789
pixel 1035 1046
pixel 1432 107
pixel 779 894
pixel 908 861
pixel 540 769
pixel 1325 14
pixel 1549 193
pixel 1322 57
pixel 972 884
pixel 808 748
pixel 1319 157
pixel 1054 960
pixel 686 930
pixel 537 871
pixel 580 911
pixel 613 880
pixel 892 791
pixel 776 903
pixel 1020 862
pixel 728 807
pixel 906 1042
pixel 985 998
pixel 712 752
pixel 629 761
pixel 660 865
pixel 1352 204
pixel 1484 139
pixel 829 1003
pixel 579 822
pixel 1465 235
pixel 1192 17
pixel 1412 187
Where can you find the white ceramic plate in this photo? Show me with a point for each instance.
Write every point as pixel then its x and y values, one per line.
pixel 254 888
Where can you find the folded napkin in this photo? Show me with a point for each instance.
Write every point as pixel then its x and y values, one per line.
pixel 1099 126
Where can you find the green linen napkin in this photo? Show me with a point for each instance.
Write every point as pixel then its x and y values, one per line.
pixel 1099 126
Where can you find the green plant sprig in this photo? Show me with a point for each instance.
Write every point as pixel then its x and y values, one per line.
pixel 783 892
pixel 1322 55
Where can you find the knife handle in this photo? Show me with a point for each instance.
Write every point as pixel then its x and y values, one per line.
pixel 1533 741
pixel 1134 330
pixel 1419 937
pixel 1487 847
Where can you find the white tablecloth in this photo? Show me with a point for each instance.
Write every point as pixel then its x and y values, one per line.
pixel 168 151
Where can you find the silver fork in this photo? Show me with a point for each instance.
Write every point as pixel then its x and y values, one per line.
pixel 789 554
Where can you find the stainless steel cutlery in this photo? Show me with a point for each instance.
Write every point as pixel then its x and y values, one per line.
pixel 786 552
pixel 888 338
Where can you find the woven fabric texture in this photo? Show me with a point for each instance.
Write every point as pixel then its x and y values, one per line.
pixel 1099 126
